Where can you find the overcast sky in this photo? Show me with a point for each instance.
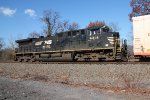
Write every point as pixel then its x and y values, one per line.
pixel 20 17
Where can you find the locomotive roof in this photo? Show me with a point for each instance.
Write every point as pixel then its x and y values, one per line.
pixel 92 28
pixel 71 31
pixel 25 40
pixel 31 39
pixel 98 27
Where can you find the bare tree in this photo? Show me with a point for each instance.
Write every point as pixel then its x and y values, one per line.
pixel 8 53
pixel 67 26
pixel 96 24
pixel 73 26
pixel 1 46
pixel 51 19
pixel 64 26
pixel 12 43
pixel 1 43
pixel 114 27
pixel 33 35
pixel 139 7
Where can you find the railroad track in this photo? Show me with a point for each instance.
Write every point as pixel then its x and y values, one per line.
pixel 79 62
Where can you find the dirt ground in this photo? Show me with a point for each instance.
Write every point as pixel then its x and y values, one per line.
pixel 74 81
pixel 18 89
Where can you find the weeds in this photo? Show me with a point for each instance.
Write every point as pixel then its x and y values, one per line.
pixel 132 80
pixel 65 79
pixel 38 77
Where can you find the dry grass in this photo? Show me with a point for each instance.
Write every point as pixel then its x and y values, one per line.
pixel 133 80
pixel 40 78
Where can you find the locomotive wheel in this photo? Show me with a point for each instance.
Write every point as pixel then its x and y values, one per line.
pixel 32 60
pixel 100 59
pixel 19 60
pixel 124 59
pixel 73 57
pixel 25 60
pixel 87 59
pixel 74 60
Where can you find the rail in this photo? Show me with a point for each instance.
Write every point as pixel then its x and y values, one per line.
pixel 79 62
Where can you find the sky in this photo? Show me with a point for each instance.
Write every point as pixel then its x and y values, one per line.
pixel 18 18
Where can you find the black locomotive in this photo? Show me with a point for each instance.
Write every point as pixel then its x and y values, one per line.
pixel 96 43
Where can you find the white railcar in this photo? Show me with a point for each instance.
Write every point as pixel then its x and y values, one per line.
pixel 141 35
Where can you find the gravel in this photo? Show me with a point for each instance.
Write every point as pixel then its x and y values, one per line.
pixel 18 89
pixel 104 75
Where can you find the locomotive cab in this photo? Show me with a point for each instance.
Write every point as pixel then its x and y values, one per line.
pixel 101 37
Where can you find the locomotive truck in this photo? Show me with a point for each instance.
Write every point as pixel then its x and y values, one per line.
pixel 96 43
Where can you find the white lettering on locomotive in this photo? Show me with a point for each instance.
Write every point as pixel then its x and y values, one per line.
pixel 38 43
pixel 48 42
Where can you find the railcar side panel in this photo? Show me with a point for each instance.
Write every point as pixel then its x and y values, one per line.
pixel 141 34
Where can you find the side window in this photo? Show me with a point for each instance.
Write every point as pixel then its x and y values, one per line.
pixel 60 35
pixel 82 32
pixel 105 30
pixel 77 32
pixel 90 33
pixel 93 32
pixel 69 34
pixel 74 33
